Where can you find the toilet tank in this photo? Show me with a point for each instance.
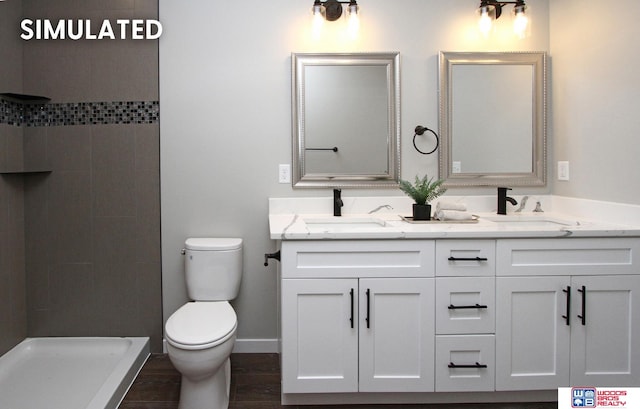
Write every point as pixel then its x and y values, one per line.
pixel 213 268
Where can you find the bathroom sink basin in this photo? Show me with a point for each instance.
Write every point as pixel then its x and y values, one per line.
pixel 343 223
pixel 530 221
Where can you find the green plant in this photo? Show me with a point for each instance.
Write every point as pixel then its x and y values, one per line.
pixel 424 190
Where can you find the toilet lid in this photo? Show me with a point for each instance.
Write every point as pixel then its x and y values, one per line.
pixel 213 244
pixel 202 323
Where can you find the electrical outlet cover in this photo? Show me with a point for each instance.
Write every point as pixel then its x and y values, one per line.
pixel 284 173
pixel 563 170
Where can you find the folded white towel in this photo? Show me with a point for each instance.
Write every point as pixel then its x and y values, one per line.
pixel 453 215
pixel 451 206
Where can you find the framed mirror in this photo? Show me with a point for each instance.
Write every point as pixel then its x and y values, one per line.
pixel 346 119
pixel 493 118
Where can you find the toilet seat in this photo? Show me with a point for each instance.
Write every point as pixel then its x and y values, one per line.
pixel 201 325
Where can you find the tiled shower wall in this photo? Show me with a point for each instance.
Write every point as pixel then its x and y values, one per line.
pixel 92 225
pixel 92 231
pixel 13 315
pixel 13 312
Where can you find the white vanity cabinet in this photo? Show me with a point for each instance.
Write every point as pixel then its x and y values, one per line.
pixel 568 313
pixel 357 316
pixel 505 319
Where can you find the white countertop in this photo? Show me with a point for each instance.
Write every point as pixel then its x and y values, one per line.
pixel 381 218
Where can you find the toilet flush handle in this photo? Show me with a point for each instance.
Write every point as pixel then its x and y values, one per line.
pixel 183 251
pixel 267 256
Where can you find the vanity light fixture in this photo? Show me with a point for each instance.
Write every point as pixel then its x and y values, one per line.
pixel 490 10
pixel 331 10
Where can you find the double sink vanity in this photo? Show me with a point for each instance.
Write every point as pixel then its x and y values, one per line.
pixel 493 308
pixel 375 309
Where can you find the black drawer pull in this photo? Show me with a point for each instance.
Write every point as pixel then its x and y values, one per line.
pixel 476 365
pixel 468 259
pixel 465 307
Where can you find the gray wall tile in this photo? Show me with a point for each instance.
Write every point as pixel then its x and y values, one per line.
pixel 70 217
pixel 35 148
pixel 14 152
pixel 113 164
pixel 114 240
pixel 147 156
pixel 147 211
pixel 69 147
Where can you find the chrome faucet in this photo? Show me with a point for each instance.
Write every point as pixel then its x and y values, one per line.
pixel 337 202
pixel 523 202
pixel 503 199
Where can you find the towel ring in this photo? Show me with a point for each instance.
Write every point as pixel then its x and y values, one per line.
pixel 420 130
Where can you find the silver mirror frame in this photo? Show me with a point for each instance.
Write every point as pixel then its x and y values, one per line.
pixel 538 176
pixel 300 179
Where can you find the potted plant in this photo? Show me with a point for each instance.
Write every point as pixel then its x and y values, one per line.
pixel 423 191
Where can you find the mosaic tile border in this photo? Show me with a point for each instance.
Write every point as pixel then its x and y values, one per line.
pixel 79 113
pixel 11 113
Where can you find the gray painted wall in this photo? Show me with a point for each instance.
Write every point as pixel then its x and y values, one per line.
pixel 225 93
pixel 596 120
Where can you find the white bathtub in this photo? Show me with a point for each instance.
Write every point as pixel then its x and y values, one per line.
pixel 70 373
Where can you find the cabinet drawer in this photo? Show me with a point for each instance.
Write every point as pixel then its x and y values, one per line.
pixel 465 363
pixel 465 257
pixel 361 258
pixel 465 305
pixel 570 256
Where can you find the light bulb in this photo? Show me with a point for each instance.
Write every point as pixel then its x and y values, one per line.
pixel 318 20
pixel 485 21
pixel 354 21
pixel 520 21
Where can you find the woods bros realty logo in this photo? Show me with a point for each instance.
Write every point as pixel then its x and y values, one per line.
pixel 121 29
pixel 592 397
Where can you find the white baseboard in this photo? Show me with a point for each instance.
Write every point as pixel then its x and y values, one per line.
pixel 247 346
pixel 252 346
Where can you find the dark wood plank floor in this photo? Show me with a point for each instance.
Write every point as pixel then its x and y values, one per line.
pixel 255 384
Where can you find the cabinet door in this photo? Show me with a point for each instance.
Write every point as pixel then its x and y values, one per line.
pixel 532 337
pixel 605 346
pixel 319 341
pixel 397 335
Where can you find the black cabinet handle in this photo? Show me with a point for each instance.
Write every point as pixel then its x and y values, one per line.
pixel 468 259
pixel 567 317
pixel 465 307
pixel 351 319
pixel 334 149
pixel 368 307
pixel 583 293
pixel 476 365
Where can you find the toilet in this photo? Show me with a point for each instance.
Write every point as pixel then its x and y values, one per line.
pixel 200 334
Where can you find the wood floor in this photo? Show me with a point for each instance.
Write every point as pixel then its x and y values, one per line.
pixel 255 384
